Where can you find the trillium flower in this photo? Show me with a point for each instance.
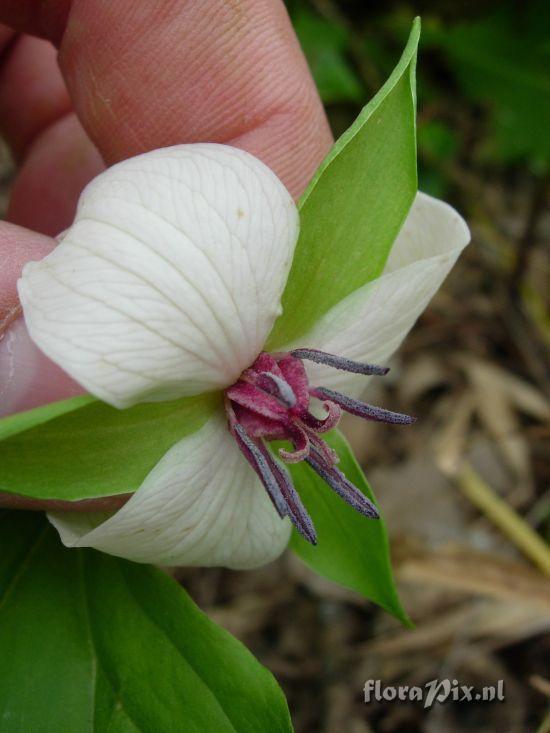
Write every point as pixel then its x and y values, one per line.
pixel 168 284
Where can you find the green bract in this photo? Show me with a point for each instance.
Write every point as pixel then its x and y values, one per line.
pixel 355 204
pixel 350 551
pixel 82 448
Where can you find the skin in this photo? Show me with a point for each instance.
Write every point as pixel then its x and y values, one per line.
pixel 86 83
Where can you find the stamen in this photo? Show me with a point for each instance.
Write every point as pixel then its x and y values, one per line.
pixel 271 401
pixel 361 409
pixel 344 488
pixel 339 362
pixel 258 462
pixel 296 510
pixel 277 387
pixel 279 487
pixel 327 455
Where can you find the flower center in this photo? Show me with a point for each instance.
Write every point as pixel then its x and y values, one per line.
pixel 271 401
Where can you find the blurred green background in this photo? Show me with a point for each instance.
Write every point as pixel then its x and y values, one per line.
pixel 483 76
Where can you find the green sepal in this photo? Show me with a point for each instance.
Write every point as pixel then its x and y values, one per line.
pixel 355 205
pixel 82 448
pixel 352 550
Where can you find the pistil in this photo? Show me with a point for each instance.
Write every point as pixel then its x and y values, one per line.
pixel 271 401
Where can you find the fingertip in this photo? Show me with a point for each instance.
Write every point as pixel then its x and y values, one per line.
pixel 17 246
pixel 32 92
pixel 27 377
pixel 189 72
pixel 60 162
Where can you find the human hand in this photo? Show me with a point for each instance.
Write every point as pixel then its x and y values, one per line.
pixel 129 77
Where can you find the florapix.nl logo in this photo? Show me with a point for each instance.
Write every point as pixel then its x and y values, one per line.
pixel 434 691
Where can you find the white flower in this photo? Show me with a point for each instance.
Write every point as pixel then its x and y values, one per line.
pixel 168 284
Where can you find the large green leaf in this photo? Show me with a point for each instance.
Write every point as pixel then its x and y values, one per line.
pixel 93 644
pixel 83 448
pixel 355 205
pixel 352 550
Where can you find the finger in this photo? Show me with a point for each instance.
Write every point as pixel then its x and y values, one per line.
pixel 43 19
pixel 57 158
pixel 27 377
pixel 201 70
pixel 159 73
pixel 17 245
pixel 32 91
pixel 58 164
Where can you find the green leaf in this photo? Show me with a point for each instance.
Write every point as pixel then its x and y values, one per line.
pixel 352 550
pixel 325 44
pixel 20 421
pixel 83 448
pixel 355 205
pixel 93 644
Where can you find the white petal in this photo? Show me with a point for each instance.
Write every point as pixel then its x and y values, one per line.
pixel 169 279
pixel 202 504
pixel 370 324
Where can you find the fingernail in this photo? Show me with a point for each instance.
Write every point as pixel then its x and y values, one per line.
pixel 27 377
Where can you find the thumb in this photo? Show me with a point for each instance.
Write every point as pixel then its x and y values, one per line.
pixel 27 377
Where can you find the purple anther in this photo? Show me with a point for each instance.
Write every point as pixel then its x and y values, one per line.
pixel 257 460
pixel 296 510
pixel 277 483
pixel 329 456
pixel 362 409
pixel 339 362
pixel 344 488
